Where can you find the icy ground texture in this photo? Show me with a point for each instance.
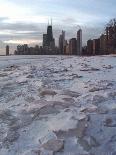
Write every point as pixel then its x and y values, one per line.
pixel 57 105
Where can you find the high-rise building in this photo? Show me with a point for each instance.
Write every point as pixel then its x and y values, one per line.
pixel 48 40
pixel 62 42
pixel 73 46
pixel 45 42
pixel 52 44
pixel 90 47
pixel 96 46
pixel 49 34
pixel 103 44
pixel 79 42
pixel 111 38
pixel 7 50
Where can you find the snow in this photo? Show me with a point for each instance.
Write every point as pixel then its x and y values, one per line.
pixel 65 100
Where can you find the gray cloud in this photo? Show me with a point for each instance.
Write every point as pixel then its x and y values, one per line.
pixel 34 31
pixel 2 19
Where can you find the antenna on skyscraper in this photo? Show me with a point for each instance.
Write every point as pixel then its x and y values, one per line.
pixel 51 21
pixel 48 22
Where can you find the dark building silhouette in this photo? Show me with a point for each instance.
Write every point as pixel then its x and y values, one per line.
pixel 79 42
pixel 7 50
pixel 52 44
pixel 62 43
pixel 89 47
pixel 103 44
pixel 111 38
pixel 49 34
pixel 26 50
pixel 48 41
pixel 45 40
pixel 73 46
pixel 96 46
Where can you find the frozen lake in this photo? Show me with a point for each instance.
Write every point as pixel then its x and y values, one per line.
pixel 57 105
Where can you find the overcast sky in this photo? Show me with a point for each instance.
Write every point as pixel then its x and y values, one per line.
pixel 24 21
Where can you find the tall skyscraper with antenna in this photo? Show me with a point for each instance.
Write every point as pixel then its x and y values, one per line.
pixel 49 34
pixel 48 40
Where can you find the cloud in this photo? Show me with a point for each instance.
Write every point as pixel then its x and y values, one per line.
pixel 21 33
pixel 23 41
pixel 26 21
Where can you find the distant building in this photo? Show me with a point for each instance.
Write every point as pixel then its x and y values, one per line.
pixel 111 39
pixel 45 42
pixel 106 44
pixel 79 42
pixel 62 43
pixel 96 46
pixel 25 49
pixel 64 47
pixel 52 44
pixel 48 41
pixel 103 44
pixel 37 50
pixel 73 46
pixel 7 50
pixel 49 34
pixel 89 47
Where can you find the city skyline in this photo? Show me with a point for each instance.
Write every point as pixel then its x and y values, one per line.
pixel 23 22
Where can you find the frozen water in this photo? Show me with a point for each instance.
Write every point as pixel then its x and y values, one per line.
pixel 65 101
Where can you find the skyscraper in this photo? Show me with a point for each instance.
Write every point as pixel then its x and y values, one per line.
pixel 49 34
pixel 79 42
pixel 90 47
pixel 73 46
pixel 45 42
pixel 103 44
pixel 7 50
pixel 111 38
pixel 48 40
pixel 62 42
pixel 96 46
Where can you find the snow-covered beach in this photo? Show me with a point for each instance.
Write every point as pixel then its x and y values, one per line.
pixel 58 105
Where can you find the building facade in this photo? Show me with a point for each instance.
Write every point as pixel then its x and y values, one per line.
pixel 62 43
pixel 45 42
pixel 79 42
pixel 103 44
pixel 73 46
pixel 96 46
pixel 89 47
pixel 7 50
pixel 111 38
pixel 48 41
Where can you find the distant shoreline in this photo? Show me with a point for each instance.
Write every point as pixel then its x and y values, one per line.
pixel 56 55
pixel 7 55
